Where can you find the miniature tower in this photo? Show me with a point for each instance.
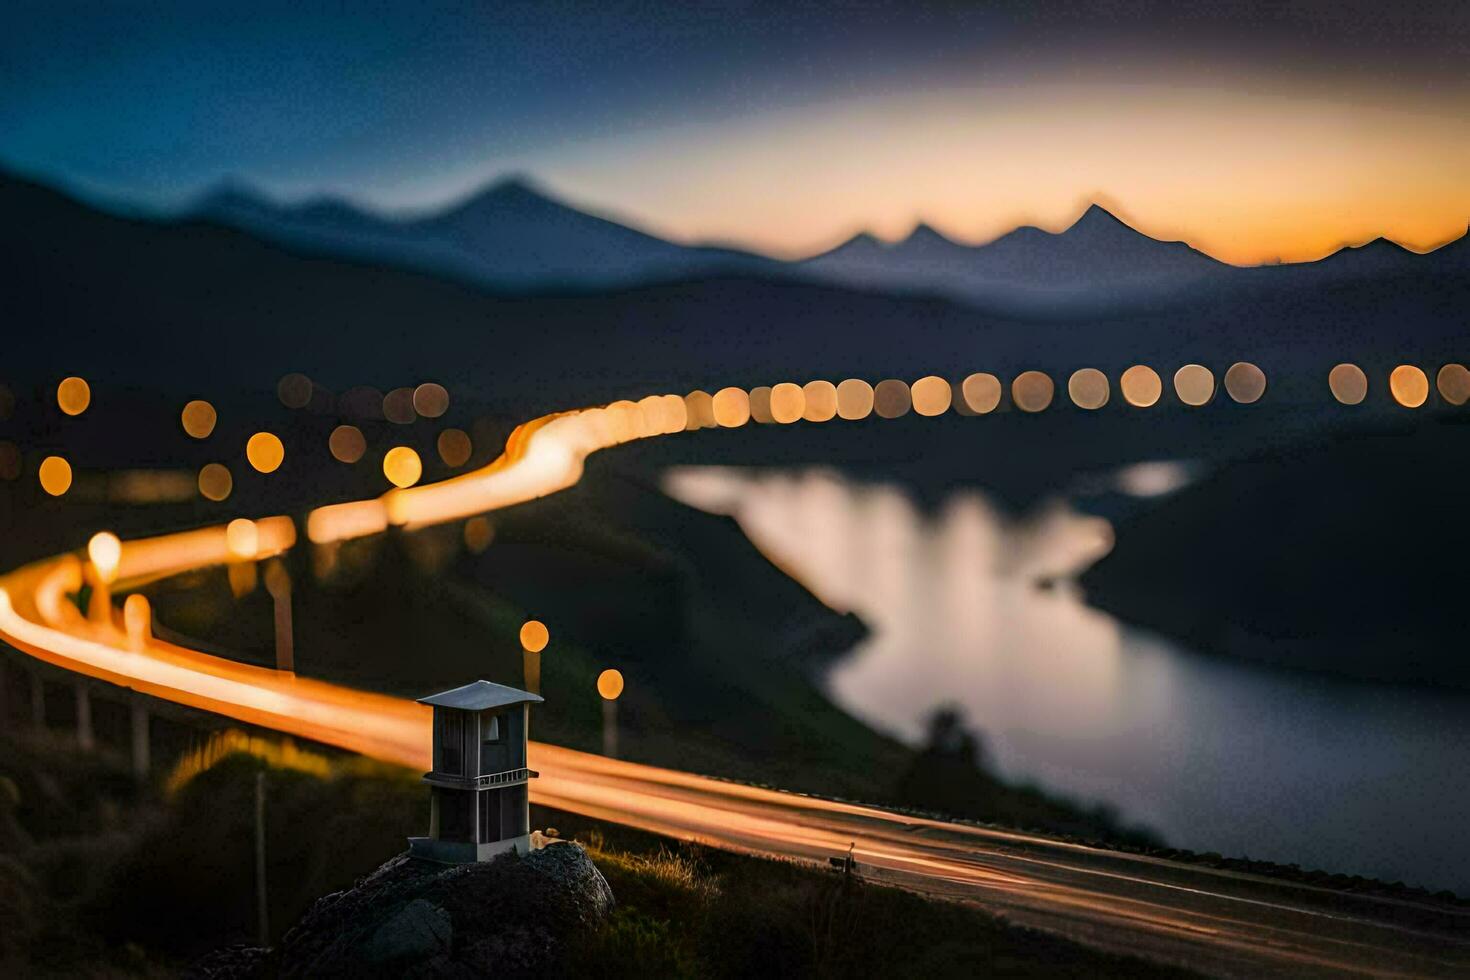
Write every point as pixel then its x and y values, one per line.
pixel 478 800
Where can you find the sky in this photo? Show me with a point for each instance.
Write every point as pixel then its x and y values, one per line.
pixel 1256 131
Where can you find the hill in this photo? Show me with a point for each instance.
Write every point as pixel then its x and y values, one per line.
pixel 1339 555
pixel 512 235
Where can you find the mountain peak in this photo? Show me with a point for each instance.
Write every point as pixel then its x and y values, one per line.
pixel 926 233
pixel 514 185
pixel 513 193
pixel 1099 219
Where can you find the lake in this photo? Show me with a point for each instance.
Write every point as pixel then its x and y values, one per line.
pixel 1214 754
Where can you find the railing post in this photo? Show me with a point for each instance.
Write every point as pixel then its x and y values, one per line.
pixel 610 728
pixel 278 584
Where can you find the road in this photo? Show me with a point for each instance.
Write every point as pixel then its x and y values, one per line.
pixel 1219 922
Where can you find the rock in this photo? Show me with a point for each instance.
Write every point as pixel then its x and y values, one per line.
pixel 231 963
pixel 419 932
pixel 411 918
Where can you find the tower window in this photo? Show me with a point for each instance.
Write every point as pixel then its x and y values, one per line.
pixel 451 746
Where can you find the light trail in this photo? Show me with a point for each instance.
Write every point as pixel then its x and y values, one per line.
pixel 1218 921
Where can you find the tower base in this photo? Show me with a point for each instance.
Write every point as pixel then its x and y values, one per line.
pixel 465 852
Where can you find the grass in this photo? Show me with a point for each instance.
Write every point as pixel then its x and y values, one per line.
pixel 99 877
pixel 690 911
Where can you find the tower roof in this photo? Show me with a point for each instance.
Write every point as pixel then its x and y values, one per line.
pixel 479 695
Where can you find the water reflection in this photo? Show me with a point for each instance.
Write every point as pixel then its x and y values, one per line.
pixel 1215 754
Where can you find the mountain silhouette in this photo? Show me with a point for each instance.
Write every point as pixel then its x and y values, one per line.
pixel 511 235
pixel 1098 258
pixel 270 309
pixel 515 236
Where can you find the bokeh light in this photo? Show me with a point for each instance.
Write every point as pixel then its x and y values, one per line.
pixel 9 460
pixel 1032 391
pixel 731 407
pixel 676 413
pixel 1088 388
pixel 215 482
pixel 854 399
pixel 1194 384
pixel 478 533
pixel 610 684
pixel 454 447
pixel 294 390
pixel 1453 382
pixel 931 396
pixel 265 452
pixel 73 396
pixel 1141 386
pixel 198 418
pixel 242 539
pixel 760 405
pixel 1245 383
pixel 982 392
pixel 787 402
pixel 891 399
pixel 104 551
pixel 699 410
pixel 1348 383
pixel 653 416
pixel 821 401
pixel 347 443
pixel 534 635
pixel 430 400
pixel 55 475
pixel 402 466
pixel 1409 385
pixel 398 406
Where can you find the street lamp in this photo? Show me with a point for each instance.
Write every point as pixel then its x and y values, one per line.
pixel 242 543
pixel 138 625
pixel 278 584
pixel 534 637
pixel 104 554
pixel 610 686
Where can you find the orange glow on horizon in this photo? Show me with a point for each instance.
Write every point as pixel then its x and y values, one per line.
pixel 1286 172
